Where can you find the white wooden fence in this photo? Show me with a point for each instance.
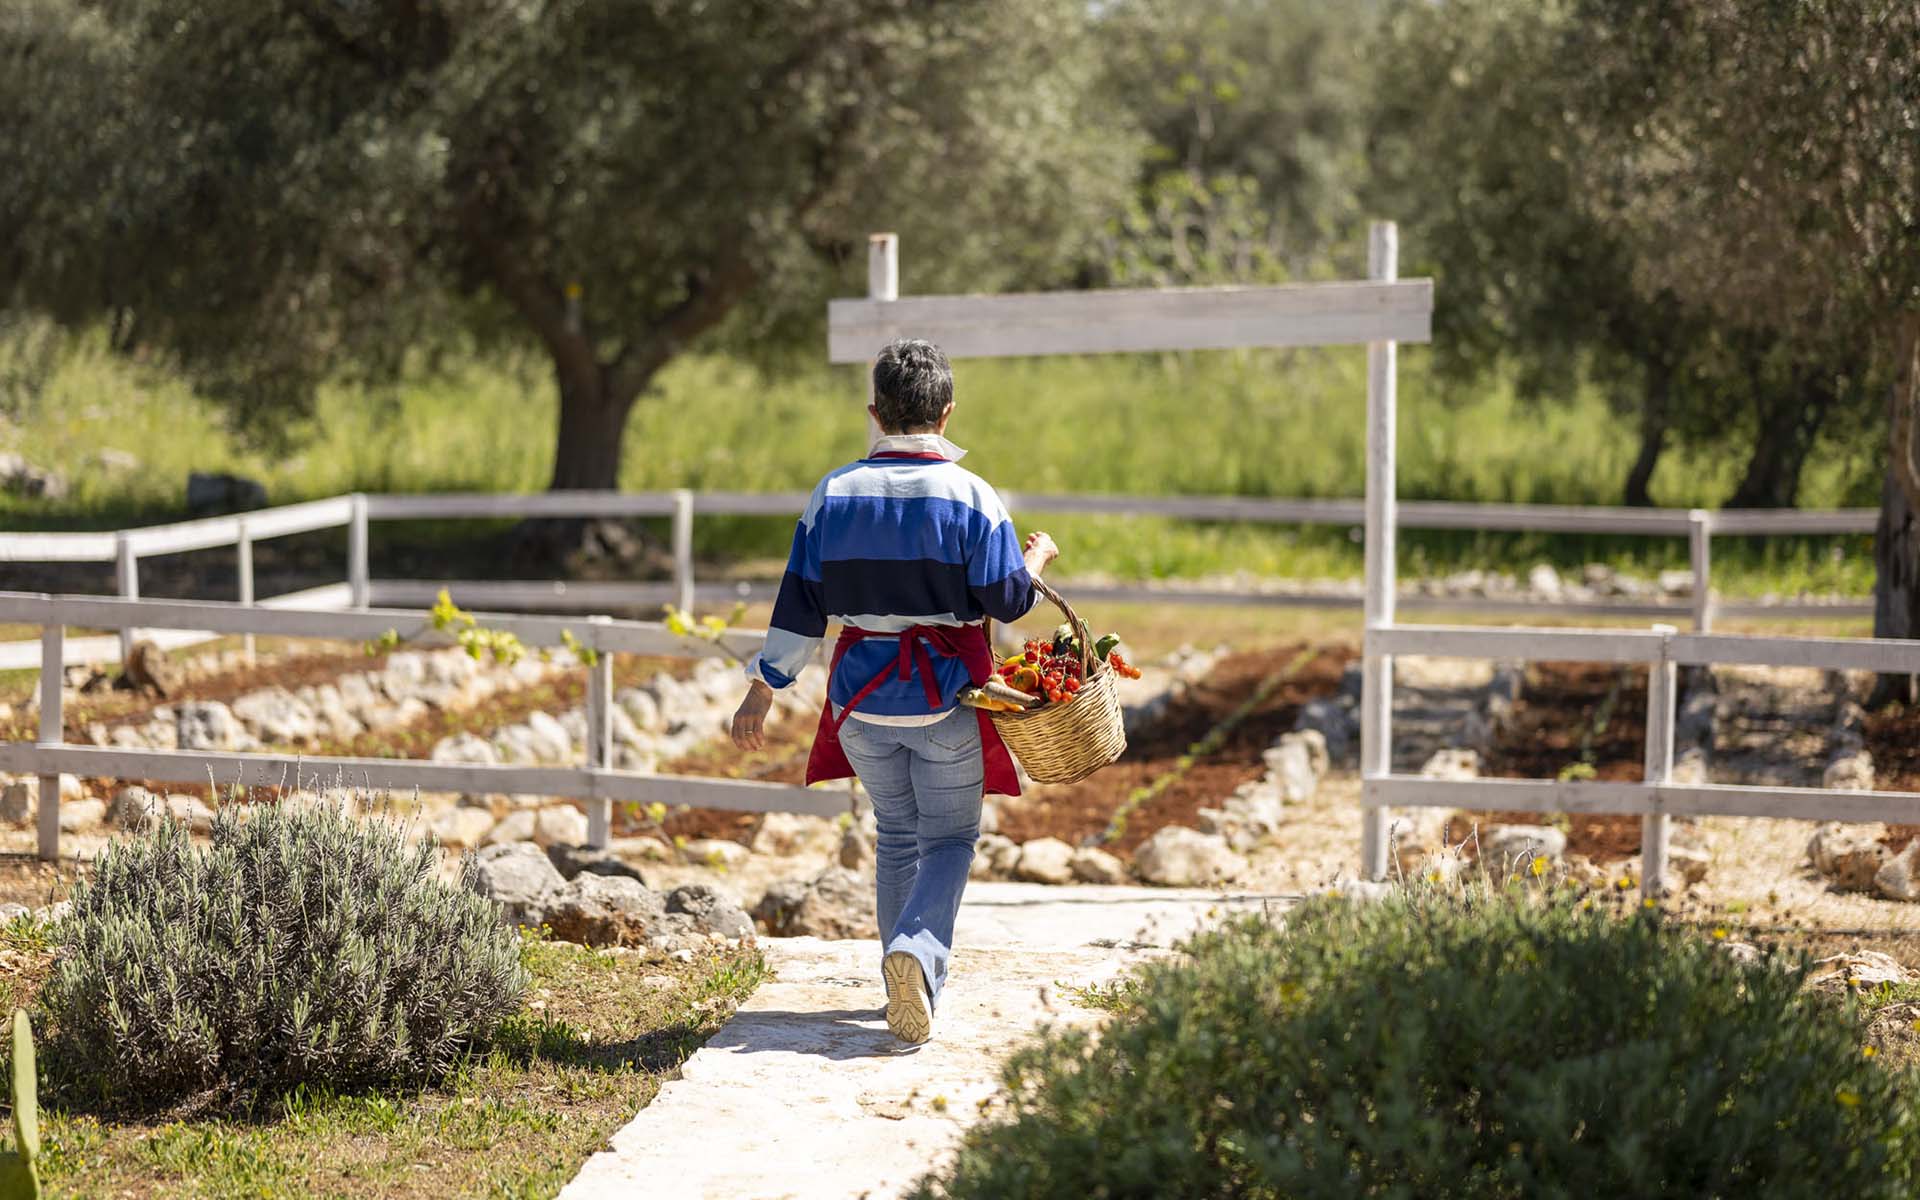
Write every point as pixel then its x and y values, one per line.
pixel 594 781
pixel 1379 312
pixel 354 512
pixel 1657 798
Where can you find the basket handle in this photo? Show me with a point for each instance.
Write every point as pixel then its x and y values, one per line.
pixel 1073 619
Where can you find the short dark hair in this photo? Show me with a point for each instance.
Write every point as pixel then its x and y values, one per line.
pixel 912 385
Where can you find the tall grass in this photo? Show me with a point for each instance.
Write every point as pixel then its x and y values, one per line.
pixel 1253 423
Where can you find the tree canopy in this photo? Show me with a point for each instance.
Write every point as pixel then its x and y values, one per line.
pixel 273 191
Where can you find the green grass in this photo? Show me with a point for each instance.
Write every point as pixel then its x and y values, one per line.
pixel 1279 424
pixel 599 1034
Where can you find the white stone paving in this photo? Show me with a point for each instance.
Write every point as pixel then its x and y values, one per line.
pixel 804 1094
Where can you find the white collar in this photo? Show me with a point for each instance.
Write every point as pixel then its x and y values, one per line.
pixel 916 443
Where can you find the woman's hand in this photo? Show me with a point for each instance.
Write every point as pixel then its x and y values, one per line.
pixel 1040 551
pixel 750 719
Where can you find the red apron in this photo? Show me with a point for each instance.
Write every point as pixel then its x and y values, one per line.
pixel 968 643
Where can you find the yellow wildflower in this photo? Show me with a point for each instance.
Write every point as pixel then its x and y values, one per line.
pixel 1868 1052
pixel 1539 867
pixel 1720 933
pixel 1847 1098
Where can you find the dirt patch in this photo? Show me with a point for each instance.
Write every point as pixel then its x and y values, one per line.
pixel 1083 810
pixel 1574 718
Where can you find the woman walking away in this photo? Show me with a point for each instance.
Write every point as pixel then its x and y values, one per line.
pixel 909 552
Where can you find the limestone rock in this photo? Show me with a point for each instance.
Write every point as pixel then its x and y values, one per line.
pixel 719 853
pixel 712 912
pixel 1544 581
pixel 1861 969
pixel 555 743
pixel 512 828
pixel 1181 857
pixel 795 833
pixel 1899 877
pixel 1045 860
pixel 465 748
pixel 519 876
pixel 19 800
pixel 1335 722
pixel 994 856
pixel 603 910
pixel 1364 891
pixel 1296 762
pixel 572 861
pixel 857 843
pixel 82 814
pixel 149 670
pixel 836 904
pixel 641 707
pixel 1508 847
pixel 561 823
pixel 777 905
pixel 209 725
pixel 191 811
pixel 461 828
pixel 1690 766
pixel 1849 855
pixel 1452 762
pixel 1849 772
pixel 22 478
pixel 1687 865
pixel 276 716
pixel 1091 864
pixel 133 807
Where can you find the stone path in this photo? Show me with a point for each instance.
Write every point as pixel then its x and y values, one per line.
pixel 805 1094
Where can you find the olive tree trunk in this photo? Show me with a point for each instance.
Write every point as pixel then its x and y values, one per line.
pixel 1896 540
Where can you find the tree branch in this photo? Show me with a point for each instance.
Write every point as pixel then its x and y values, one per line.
pixel 710 297
pixel 535 297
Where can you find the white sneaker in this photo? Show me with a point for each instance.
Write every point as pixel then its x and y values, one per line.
pixel 909 1007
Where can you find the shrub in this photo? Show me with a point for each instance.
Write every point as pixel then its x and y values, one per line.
pixel 300 946
pixel 1466 1047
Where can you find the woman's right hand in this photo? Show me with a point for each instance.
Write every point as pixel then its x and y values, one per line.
pixel 1040 551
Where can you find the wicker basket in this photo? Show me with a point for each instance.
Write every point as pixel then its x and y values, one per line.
pixel 1065 743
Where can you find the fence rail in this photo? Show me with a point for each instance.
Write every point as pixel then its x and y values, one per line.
pixel 594 781
pixel 126 548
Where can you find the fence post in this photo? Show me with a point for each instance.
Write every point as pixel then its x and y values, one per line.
pixel 243 545
pixel 1656 826
pixel 53 671
pixel 1376 679
pixel 126 575
pixel 683 549
pixel 1700 550
pixel 883 283
pixel 599 735
pixel 358 580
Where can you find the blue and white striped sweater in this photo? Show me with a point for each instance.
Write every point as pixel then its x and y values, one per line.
pixel 888 543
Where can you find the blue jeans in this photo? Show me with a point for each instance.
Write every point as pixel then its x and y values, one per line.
pixel 926 785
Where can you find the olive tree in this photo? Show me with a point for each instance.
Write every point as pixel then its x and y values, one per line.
pixel 1775 153
pixel 1500 143
pixel 270 192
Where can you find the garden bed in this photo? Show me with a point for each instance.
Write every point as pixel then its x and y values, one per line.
pixel 1076 812
pixel 1580 720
